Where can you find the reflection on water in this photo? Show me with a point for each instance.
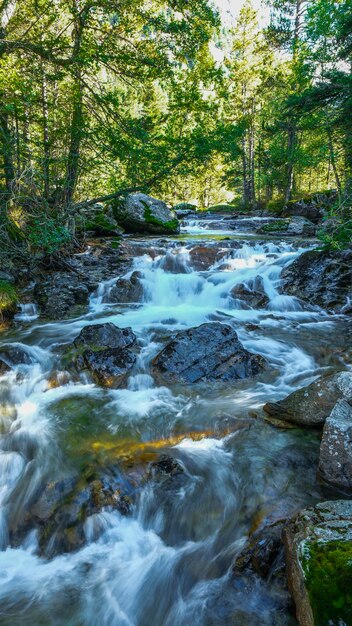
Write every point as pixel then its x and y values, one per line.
pixel 170 563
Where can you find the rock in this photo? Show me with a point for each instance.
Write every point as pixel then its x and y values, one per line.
pixel 164 467
pixel 60 512
pixel 105 350
pixel 252 292
pixel 11 356
pixel 301 226
pixel 109 367
pixel 335 461
pixel 321 278
pixel 99 336
pixel 127 289
pixel 264 553
pixel 57 295
pixel 318 547
pixel 139 213
pixel 209 352
pixel 184 208
pixel 311 405
pixel 311 207
pixel 98 221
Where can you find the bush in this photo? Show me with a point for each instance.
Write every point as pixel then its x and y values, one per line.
pixel 46 235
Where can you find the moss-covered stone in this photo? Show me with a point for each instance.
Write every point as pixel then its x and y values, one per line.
pixel 328 576
pixel 275 227
pixel 171 225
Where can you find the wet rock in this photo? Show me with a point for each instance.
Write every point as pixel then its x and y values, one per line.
pixel 109 367
pixel 60 513
pixel 58 294
pixel 127 289
pixel 138 213
pixel 211 351
pixel 11 356
pixel 320 278
pixel 203 257
pixel 99 336
pixel 311 405
pixel 264 553
pixel 164 467
pixel 252 292
pixel 106 351
pixel 335 461
pixel 318 546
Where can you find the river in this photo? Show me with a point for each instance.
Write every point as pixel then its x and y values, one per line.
pixel 169 563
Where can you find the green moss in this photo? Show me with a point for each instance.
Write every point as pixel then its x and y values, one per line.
pixel 8 299
pixel 171 225
pixel 328 575
pixel 273 227
pixel 100 224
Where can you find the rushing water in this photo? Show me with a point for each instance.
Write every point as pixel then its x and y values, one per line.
pixel 170 563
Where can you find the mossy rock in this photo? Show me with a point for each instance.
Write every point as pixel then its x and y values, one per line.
pixel 140 213
pixel 279 226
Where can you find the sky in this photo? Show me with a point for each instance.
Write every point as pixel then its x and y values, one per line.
pixel 230 8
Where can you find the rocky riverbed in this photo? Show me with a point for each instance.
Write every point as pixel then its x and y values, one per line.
pixel 170 406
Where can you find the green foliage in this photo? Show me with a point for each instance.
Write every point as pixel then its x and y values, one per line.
pixel 339 237
pixel 221 208
pixel 46 235
pixel 328 573
pixel 8 299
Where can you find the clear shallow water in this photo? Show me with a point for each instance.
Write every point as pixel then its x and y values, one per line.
pixel 170 563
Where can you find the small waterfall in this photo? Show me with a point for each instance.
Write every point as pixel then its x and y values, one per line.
pixel 28 312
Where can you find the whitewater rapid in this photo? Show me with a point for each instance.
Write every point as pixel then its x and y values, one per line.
pixel 170 563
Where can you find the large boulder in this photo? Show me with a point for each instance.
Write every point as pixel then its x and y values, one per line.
pixel 139 213
pixel 321 278
pixel 210 352
pixel 335 461
pixel 312 207
pixel 311 405
pixel 318 546
pixel 301 226
pixel 106 351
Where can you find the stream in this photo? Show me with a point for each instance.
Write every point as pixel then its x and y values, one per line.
pixel 170 562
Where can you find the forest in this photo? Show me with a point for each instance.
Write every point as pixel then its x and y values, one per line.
pixel 165 98
pixel 175 312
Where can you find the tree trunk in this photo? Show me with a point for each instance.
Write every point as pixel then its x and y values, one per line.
pixel 333 161
pixel 291 145
pixel 46 140
pixel 7 150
